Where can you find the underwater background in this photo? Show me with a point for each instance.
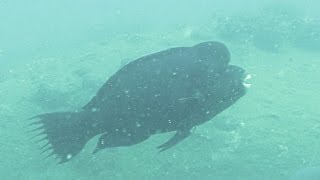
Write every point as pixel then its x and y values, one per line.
pixel 55 55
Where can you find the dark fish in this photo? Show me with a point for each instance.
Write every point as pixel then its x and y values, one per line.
pixel 172 90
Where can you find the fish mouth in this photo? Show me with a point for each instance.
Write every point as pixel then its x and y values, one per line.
pixel 245 82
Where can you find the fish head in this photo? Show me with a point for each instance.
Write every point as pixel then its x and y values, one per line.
pixel 213 54
pixel 231 84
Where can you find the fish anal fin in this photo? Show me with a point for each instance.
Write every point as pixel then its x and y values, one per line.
pixel 177 138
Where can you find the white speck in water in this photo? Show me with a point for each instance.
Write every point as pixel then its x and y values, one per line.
pixel 169 121
pixel 174 73
pixel 138 124
pixel 94 110
pixel 69 156
pixel 126 91
pixel 207 112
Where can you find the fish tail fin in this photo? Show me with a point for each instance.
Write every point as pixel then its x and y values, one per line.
pixel 66 133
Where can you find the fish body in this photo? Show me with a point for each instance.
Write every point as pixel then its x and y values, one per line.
pixel 171 90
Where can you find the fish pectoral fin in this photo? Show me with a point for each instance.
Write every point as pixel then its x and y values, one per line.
pixel 177 138
pixel 192 99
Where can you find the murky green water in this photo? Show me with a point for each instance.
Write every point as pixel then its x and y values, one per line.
pixel 55 55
